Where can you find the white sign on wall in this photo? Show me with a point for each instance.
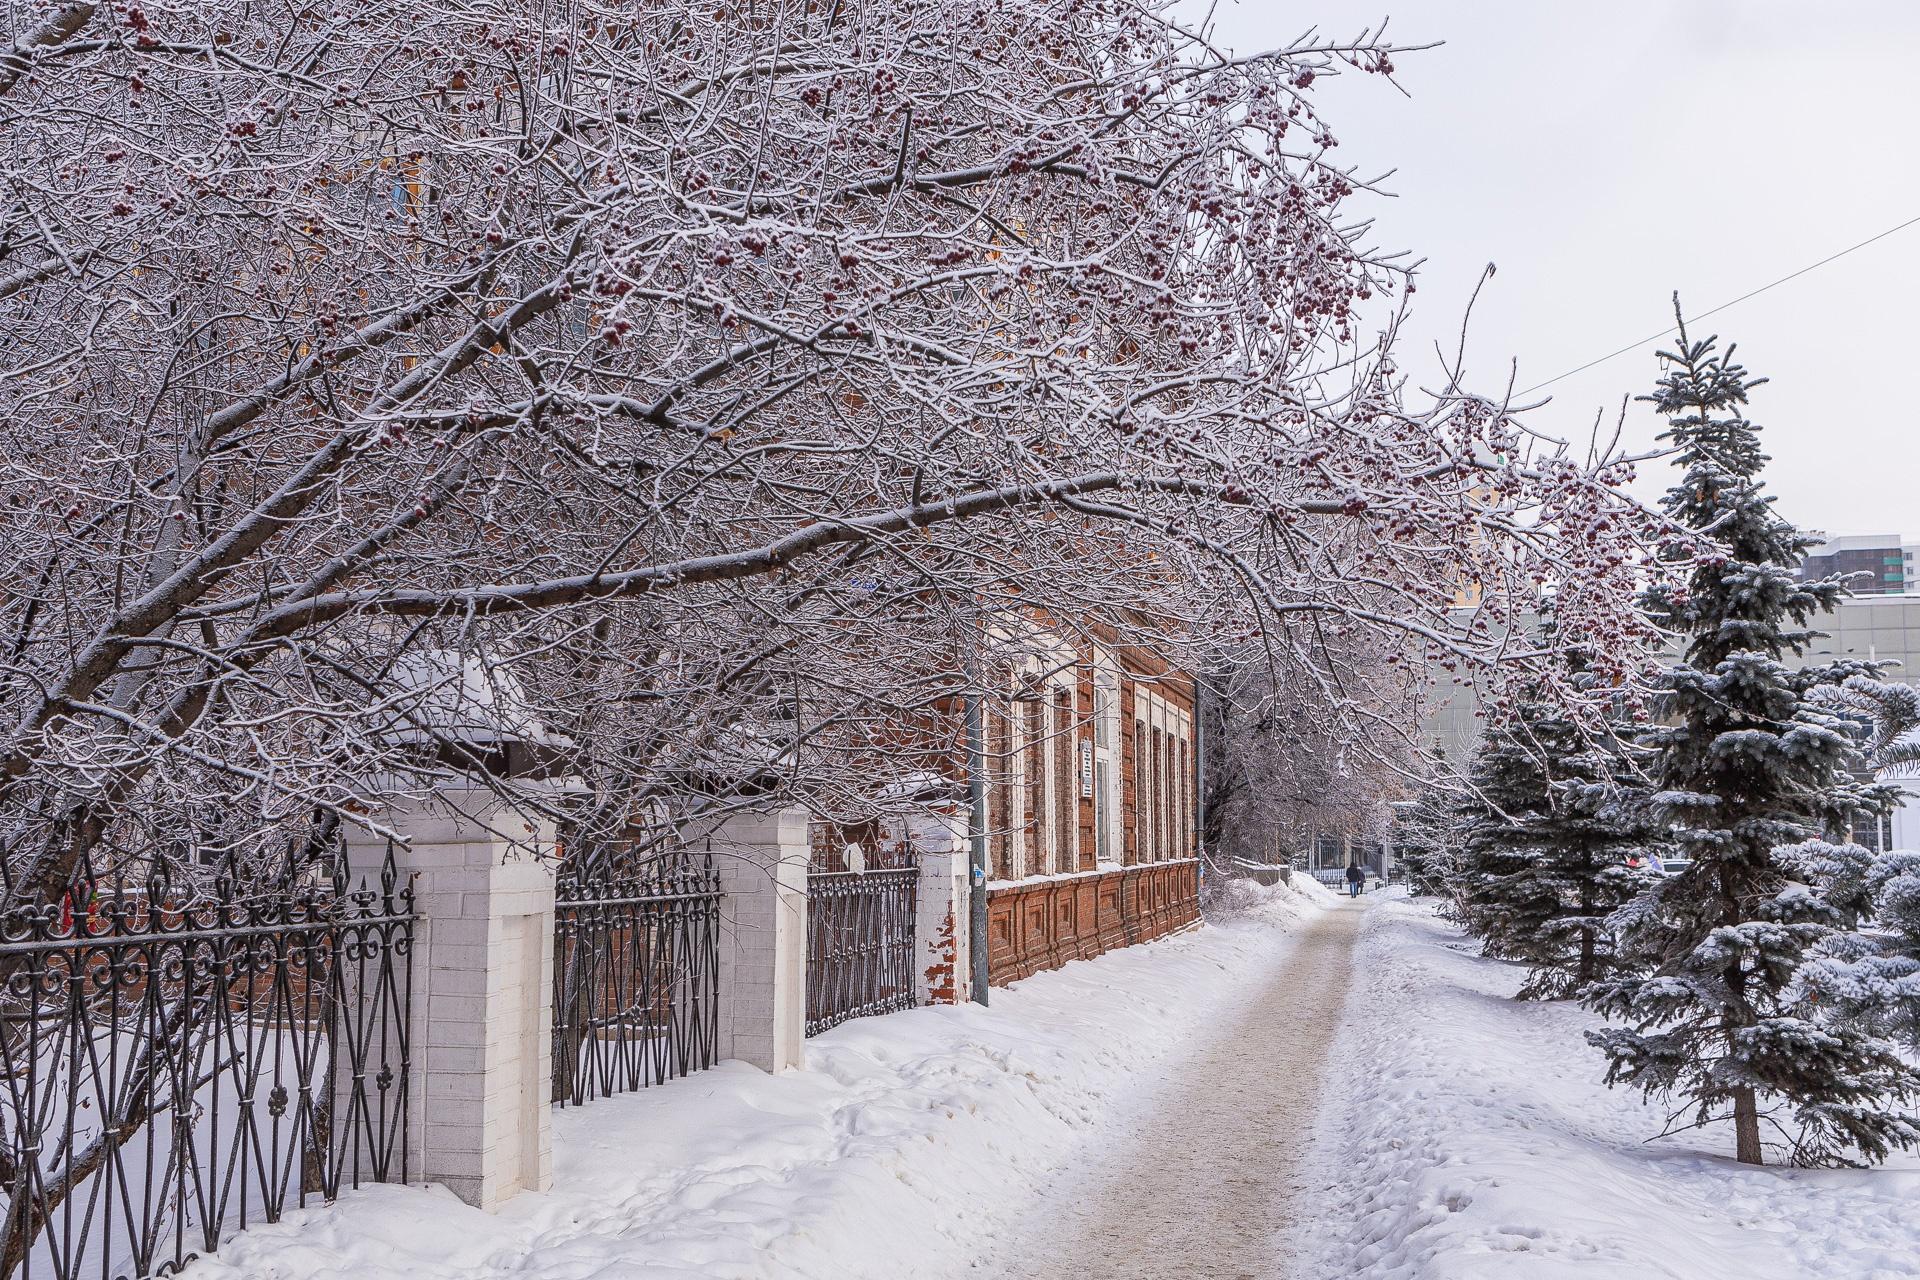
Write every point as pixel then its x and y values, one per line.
pixel 1086 770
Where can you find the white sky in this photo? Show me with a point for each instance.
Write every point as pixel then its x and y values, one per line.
pixel 1605 154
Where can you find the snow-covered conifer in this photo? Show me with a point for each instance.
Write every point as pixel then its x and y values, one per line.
pixel 1868 978
pixel 1746 763
pixel 1546 844
pixel 1425 842
pixel 1498 902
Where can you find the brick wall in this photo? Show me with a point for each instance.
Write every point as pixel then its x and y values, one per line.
pixel 1037 925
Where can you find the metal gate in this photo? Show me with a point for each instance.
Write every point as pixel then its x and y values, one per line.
pixel 183 1061
pixel 860 953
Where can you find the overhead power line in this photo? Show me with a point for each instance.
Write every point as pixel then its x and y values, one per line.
pixel 1722 307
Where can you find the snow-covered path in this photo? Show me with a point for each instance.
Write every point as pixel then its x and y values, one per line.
pixel 1196 1176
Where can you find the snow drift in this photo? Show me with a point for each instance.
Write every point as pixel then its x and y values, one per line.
pixel 883 1158
pixel 1478 1143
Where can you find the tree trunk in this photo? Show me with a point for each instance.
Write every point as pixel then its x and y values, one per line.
pixel 1746 1127
pixel 1585 973
pixel 1746 1113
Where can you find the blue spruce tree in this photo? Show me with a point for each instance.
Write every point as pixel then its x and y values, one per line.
pixel 1746 763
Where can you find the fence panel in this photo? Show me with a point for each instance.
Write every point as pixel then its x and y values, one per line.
pixel 860 953
pixel 181 1064
pixel 635 977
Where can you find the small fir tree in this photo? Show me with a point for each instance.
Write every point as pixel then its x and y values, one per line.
pixel 1746 763
pixel 1864 979
pixel 1867 978
pixel 1507 794
pixel 1548 843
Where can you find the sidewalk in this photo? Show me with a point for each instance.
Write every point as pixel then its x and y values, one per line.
pixel 1199 1176
pixel 1478 1142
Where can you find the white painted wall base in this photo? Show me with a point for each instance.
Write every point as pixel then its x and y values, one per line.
pixel 941 837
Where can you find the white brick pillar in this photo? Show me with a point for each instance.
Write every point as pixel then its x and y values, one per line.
pixel 762 860
pixel 941 836
pixel 481 1022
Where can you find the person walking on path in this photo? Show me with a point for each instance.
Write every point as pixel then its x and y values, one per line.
pixel 1355 879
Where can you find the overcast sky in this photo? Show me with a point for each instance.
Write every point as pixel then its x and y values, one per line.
pixel 1604 155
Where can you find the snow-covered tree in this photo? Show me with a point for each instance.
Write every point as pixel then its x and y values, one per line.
pixel 1425 843
pixel 1745 763
pixel 1551 837
pixel 1507 792
pixel 1868 977
pixel 1546 834
pixel 1865 979
pixel 700 380
pixel 1281 768
pixel 1888 714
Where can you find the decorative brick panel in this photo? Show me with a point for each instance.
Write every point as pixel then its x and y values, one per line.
pixel 1040 925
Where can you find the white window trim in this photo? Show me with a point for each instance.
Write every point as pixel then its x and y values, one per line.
pixel 1157 712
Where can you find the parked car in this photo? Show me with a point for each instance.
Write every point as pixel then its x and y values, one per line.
pixel 1673 866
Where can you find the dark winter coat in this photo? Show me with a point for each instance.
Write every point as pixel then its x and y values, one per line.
pixel 1355 875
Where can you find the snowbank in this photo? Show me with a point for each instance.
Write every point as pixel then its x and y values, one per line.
pixel 1479 1142
pixel 882 1159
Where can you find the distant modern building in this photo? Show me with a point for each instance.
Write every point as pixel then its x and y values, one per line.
pixel 1883 627
pixel 1877 564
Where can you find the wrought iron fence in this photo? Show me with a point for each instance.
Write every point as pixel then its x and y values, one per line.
pixel 182 1062
pixel 860 953
pixel 635 977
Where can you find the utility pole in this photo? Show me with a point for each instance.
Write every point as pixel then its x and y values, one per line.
pixel 977 848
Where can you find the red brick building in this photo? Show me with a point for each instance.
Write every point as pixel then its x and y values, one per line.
pixel 1090 764
pixel 1091 798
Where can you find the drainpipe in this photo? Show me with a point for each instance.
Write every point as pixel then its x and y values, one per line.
pixel 1202 705
pixel 977 853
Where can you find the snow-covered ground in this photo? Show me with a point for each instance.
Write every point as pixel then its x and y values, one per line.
pixel 904 1138
pixel 1477 1142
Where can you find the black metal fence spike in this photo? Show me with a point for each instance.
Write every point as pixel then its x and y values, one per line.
pixel 295 858
pixel 226 881
pixel 232 1026
pixel 159 881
